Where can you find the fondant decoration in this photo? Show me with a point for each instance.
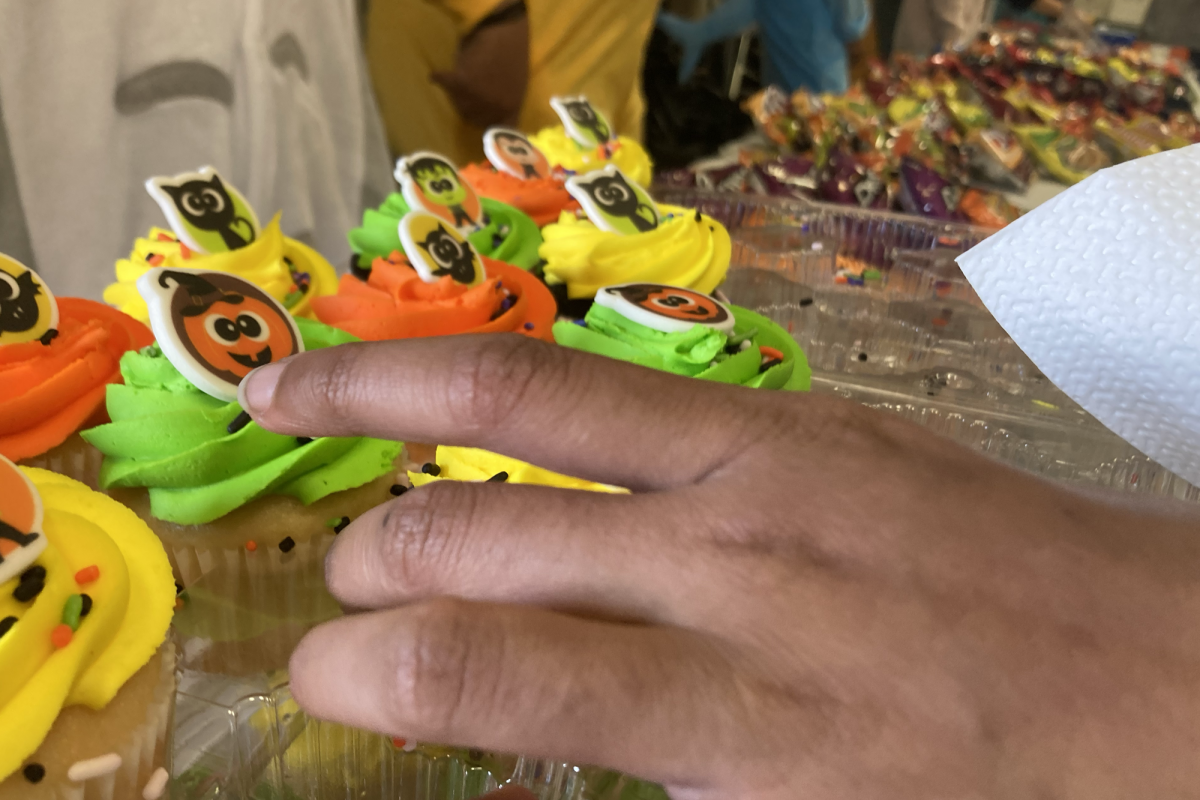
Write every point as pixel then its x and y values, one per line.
pixel 613 202
pixel 21 540
pixel 582 121
pixel 670 309
pixel 215 327
pixel 28 311
pixel 430 182
pixel 207 213
pixel 510 151
pixel 436 249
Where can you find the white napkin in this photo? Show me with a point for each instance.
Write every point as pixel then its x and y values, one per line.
pixel 1100 286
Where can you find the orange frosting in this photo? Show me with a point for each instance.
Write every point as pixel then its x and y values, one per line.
pixel 394 303
pixel 541 199
pixel 47 392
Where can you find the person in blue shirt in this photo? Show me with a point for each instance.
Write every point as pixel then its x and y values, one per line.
pixel 804 40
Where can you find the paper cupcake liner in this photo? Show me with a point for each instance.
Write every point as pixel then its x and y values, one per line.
pixel 74 458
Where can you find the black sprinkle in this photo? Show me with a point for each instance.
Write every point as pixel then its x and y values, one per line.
pixel 34 772
pixel 7 623
pixel 28 590
pixel 178 587
pixel 497 240
pixel 86 608
pixel 37 573
pixel 499 477
pixel 766 365
pixel 697 215
pixel 287 543
pixel 431 469
pixel 49 336
pixel 398 489
pixel 862 356
pixel 239 422
pixel 808 301
pixel 341 526
pixel 303 440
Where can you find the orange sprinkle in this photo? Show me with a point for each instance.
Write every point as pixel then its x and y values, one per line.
pixel 164 237
pixel 184 251
pixel 156 259
pixel 770 352
pixel 87 575
pixel 251 545
pixel 178 603
pixel 398 743
pixel 60 637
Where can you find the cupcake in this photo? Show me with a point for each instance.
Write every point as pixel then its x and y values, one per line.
pixel 246 515
pixel 446 288
pixel 472 464
pixel 86 598
pixel 685 332
pixel 586 142
pixel 288 270
pixel 56 357
pixel 517 173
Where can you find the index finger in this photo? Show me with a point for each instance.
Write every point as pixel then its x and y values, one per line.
pixel 576 413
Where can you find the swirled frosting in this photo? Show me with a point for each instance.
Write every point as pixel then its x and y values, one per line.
pixel 509 236
pixel 542 199
pixel 172 438
pixel 562 151
pixel 290 271
pixel 687 249
pixel 132 598
pixel 47 392
pixel 764 355
pixel 394 303
pixel 472 464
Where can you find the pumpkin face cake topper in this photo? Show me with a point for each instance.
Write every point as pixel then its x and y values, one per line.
pixel 511 152
pixel 613 202
pixel 436 249
pixel 429 182
pixel 21 540
pixel 207 213
pixel 215 327
pixel 670 309
pixel 583 122
pixel 28 311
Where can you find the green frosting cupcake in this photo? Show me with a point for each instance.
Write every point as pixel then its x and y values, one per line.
pixel 698 352
pixel 509 236
pixel 172 438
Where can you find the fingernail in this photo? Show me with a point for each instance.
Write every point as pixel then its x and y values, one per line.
pixel 258 388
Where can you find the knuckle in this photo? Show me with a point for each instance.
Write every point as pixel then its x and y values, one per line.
pixel 338 383
pixel 494 376
pixel 422 534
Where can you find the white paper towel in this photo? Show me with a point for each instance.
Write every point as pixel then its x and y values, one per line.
pixel 1100 286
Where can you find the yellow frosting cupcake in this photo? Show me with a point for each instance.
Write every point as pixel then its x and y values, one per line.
pixel 290 271
pixel 562 151
pixel 687 249
pixel 472 464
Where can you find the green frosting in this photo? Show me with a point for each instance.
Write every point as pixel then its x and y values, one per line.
pixel 509 236
pixel 698 352
pixel 172 438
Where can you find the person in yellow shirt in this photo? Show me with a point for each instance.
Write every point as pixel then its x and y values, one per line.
pixel 446 69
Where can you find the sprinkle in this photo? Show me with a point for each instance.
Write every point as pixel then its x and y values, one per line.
pixel 398 743
pixel 156 785
pixel 499 477
pixel 528 326
pixel 251 545
pixel 85 607
pixel 239 422
pixel 178 587
pixel 166 237
pixel 94 767
pixel 398 489
pixel 766 365
pixel 184 250
pixel 341 526
pixel 34 772
pixel 303 440
pixel 808 301
pixel 28 590
pixel 431 469
pixel 286 544
pixel 770 353
pixel 7 623
pixel 72 611
pixel 37 573
pixel 697 215
pixel 87 575
pixel 61 636
pixel 862 356
pixel 155 259
pixel 506 303
pixel 48 337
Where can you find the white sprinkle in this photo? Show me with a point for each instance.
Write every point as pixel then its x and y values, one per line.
pixel 93 767
pixel 156 785
pixel 409 745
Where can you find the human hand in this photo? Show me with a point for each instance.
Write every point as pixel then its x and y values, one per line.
pixel 802 598
pixel 491 73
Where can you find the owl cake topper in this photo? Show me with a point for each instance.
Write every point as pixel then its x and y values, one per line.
pixel 21 539
pixel 206 212
pixel 613 202
pixel 215 327
pixel 583 122
pixel 670 309
pixel 429 182
pixel 28 311
pixel 511 152
pixel 436 249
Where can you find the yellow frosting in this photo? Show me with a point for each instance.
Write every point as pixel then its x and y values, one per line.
pixel 132 603
pixel 262 263
pixel 562 151
pixel 682 251
pixel 472 464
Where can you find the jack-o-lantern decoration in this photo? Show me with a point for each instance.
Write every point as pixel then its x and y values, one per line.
pixel 669 309
pixel 215 327
pixel 21 539
pixel 28 311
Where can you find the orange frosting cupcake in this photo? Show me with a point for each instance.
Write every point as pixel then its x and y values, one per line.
pixel 541 199
pixel 394 303
pixel 47 392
